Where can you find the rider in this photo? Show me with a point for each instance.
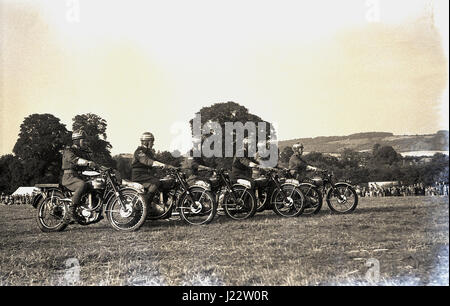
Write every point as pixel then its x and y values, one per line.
pixel 242 166
pixel 297 165
pixel 144 167
pixel 74 159
pixel 192 165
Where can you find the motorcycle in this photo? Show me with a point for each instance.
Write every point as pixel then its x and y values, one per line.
pixel 196 204
pixel 123 204
pixel 286 198
pixel 341 197
pixel 237 201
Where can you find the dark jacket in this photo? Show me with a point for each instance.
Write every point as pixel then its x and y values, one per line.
pixel 142 165
pixel 70 158
pixel 241 168
pixel 299 165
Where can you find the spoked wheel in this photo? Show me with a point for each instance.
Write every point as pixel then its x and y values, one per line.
pixel 313 199
pixel 201 209
pixel 128 218
pixel 292 205
pixel 245 205
pixel 50 213
pixel 342 199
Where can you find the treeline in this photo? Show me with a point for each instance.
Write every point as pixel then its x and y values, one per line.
pixel 383 163
pixel 37 155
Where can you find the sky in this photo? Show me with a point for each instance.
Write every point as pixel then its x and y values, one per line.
pixel 313 68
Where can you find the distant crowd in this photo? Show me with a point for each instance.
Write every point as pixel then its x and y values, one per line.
pixel 438 189
pixel 17 199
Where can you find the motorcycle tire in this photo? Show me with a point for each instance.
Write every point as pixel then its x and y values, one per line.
pixel 337 198
pixel 57 210
pixel 240 211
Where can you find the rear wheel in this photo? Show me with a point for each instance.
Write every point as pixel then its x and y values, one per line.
pixel 50 213
pixel 201 210
pixel 131 216
pixel 245 205
pixel 342 199
pixel 292 205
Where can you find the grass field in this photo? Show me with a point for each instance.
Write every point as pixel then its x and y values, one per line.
pixel 407 238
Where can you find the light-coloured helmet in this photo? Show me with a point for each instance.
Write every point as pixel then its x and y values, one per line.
pixel 146 136
pixel 297 146
pixel 78 135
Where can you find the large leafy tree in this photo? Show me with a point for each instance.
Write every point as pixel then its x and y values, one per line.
pixel 385 155
pixel 228 112
pixel 95 128
pixel 41 138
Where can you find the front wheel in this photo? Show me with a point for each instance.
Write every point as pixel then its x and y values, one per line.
pixel 342 199
pixel 290 206
pixel 200 208
pixel 243 207
pixel 131 216
pixel 50 213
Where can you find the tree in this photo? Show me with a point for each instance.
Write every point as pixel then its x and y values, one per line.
pixel 229 112
pixel 38 147
pixel 285 155
pixel 123 165
pixel 350 158
pixel 166 157
pixel 95 128
pixel 5 173
pixel 385 155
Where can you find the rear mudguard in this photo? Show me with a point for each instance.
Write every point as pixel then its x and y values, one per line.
pixel 43 194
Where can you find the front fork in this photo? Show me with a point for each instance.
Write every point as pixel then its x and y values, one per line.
pixel 337 193
pixel 118 194
pixel 278 186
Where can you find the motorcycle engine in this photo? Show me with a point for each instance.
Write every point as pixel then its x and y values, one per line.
pixel 97 183
pixel 86 210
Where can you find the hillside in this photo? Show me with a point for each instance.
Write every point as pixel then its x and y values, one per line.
pixel 365 141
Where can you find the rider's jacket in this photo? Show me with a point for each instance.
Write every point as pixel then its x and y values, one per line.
pixel 240 167
pixel 142 164
pixel 298 164
pixel 190 167
pixel 70 157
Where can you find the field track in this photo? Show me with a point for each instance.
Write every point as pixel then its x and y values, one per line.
pixel 407 236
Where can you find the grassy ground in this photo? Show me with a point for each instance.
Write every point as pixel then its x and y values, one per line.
pixel 407 238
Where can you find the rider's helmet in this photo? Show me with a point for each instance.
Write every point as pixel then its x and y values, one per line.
pixel 297 146
pixel 147 136
pixel 78 135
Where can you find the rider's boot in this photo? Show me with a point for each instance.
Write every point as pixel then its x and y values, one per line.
pixel 153 208
pixel 69 216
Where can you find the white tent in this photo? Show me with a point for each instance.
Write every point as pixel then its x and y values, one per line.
pixel 25 190
pixel 383 184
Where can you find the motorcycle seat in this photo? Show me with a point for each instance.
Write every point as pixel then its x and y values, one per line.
pixel 48 185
